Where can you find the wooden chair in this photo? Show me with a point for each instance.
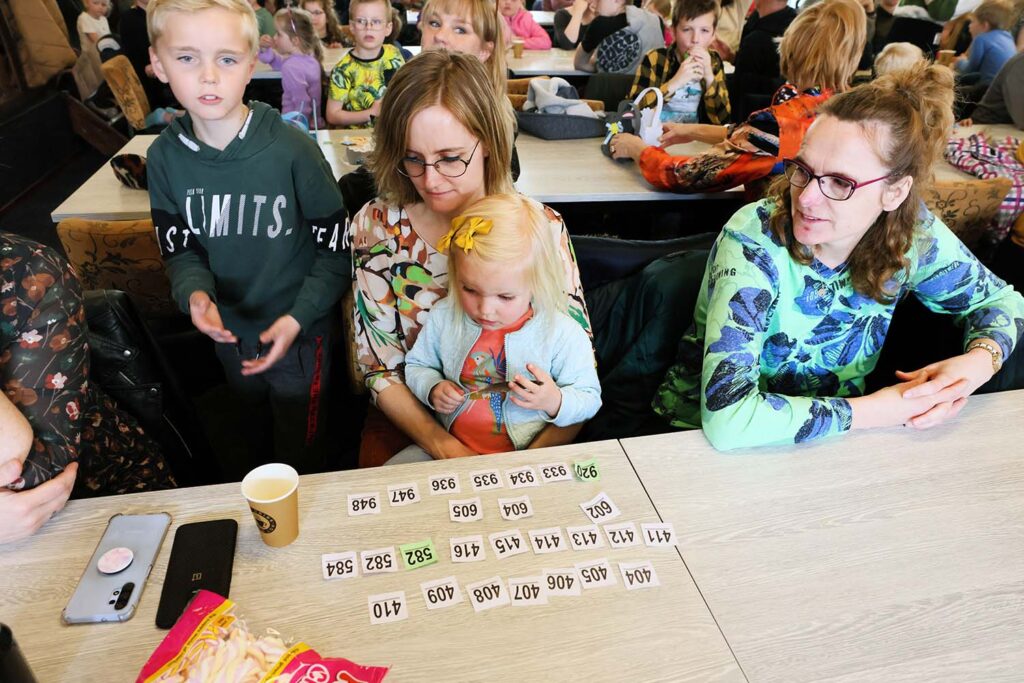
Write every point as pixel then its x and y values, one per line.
pixel 519 87
pixel 968 207
pixel 128 91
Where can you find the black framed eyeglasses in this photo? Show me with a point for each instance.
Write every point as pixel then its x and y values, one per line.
pixel 837 187
pixel 449 167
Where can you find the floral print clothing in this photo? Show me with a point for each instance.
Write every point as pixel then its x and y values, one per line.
pixel 397 279
pixel 777 346
pixel 358 83
pixel 44 371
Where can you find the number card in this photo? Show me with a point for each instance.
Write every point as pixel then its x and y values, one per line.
pixel 515 508
pixel 658 534
pixel 416 555
pixel 468 549
pixel 562 582
pixel 587 470
pixel 508 543
pixel 596 574
pixel 340 565
pixel 441 593
pixel 521 477
pixel 379 561
pixel 600 508
pixel 622 535
pixel 546 541
pixel 554 471
pixel 527 590
pixel 465 510
pixel 638 575
pixel 363 504
pixel 444 483
pixel 485 480
pixel 403 494
pixel 388 607
pixel 585 537
pixel 487 594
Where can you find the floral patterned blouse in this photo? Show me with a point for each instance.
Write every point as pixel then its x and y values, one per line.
pixel 397 279
pixel 44 371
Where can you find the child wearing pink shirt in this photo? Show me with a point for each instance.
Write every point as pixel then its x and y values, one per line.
pixel 522 25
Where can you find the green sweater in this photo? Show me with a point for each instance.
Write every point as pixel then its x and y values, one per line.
pixel 258 225
pixel 777 345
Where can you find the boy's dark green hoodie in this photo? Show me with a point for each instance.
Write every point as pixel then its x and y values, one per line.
pixel 258 225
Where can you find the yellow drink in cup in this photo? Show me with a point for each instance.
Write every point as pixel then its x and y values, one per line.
pixel 273 494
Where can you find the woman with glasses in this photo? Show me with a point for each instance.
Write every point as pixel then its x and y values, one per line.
pixel 442 142
pixel 800 287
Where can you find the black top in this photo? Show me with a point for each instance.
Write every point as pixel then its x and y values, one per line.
pixel 135 40
pixel 600 28
pixel 757 60
pixel 560 21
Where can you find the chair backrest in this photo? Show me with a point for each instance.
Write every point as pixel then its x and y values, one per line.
pixel 968 207
pixel 119 255
pixel 124 83
pixel 348 332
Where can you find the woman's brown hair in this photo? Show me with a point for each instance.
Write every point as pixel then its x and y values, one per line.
pixel 459 83
pixel 823 45
pixel 334 33
pixel 907 115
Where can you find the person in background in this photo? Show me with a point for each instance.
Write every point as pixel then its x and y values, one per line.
pixel 801 286
pixel 618 38
pixel 325 21
pixel 264 19
pixel 663 10
pixel 522 25
pixel 94 29
pixel 689 73
pixel 897 56
pixel 359 80
pixel 296 52
pixel 62 436
pixel 570 24
pixel 135 46
pixel 731 21
pixel 555 5
pixel 758 73
pixel 1004 100
pixel 470 27
pixel 991 44
pixel 885 17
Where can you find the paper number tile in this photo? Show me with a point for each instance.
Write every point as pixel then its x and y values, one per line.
pixel 521 477
pixel 596 574
pixel 546 541
pixel 416 555
pixel 515 508
pixel 441 593
pixel 600 508
pixel 487 594
pixel 379 561
pixel 562 582
pixel 340 565
pixel 527 590
pixel 554 471
pixel 468 549
pixel 388 607
pixel 465 510
pixel 587 470
pixel 485 480
pixel 363 504
pixel 444 483
pixel 658 534
pixel 403 494
pixel 622 535
pixel 585 537
pixel 638 575
pixel 507 543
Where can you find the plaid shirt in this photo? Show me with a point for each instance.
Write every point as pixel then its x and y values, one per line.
pixel 660 65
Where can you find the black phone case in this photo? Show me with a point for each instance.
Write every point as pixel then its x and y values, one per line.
pixel 201 557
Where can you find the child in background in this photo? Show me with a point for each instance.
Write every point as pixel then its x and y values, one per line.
pixel 618 38
pixel 522 25
pixel 499 358
pixel 991 44
pixel 663 10
pixel 94 29
pixel 897 57
pixel 264 19
pixel 250 221
pixel 325 21
pixel 689 74
pixel 360 78
pixel 296 52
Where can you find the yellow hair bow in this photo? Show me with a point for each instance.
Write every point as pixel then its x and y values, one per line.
pixel 463 229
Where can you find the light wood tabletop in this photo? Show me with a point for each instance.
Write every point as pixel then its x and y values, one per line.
pixel 877 556
pixel 553 62
pixel 662 633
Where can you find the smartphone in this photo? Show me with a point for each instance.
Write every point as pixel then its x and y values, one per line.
pixel 113 596
pixel 201 557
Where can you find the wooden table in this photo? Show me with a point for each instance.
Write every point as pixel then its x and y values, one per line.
pixel 880 556
pixel 553 62
pixel 657 634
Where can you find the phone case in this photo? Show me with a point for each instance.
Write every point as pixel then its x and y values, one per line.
pixel 114 597
pixel 201 557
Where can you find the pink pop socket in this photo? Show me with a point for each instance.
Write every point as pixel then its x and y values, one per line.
pixel 115 560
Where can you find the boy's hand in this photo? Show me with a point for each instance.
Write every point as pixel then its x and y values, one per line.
pixel 539 394
pixel 676 134
pixel 703 58
pixel 689 70
pixel 446 397
pixel 265 42
pixel 206 318
pixel 279 337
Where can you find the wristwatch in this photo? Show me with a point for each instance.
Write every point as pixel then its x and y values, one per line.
pixel 997 353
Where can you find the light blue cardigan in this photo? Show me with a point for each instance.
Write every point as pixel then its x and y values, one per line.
pixel 558 345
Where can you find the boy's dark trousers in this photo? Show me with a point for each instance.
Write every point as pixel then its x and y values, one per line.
pixel 284 409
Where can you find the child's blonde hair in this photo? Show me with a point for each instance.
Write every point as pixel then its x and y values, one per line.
pixel 896 57
pixel 297 24
pixel 519 236
pixel 158 11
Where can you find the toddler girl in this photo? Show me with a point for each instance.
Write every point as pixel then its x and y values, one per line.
pixel 499 359
pixel 522 25
pixel 295 51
